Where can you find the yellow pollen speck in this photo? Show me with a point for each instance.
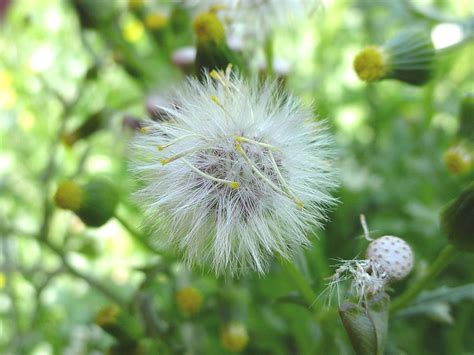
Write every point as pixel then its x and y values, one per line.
pixel 238 147
pixel 215 99
pixel 234 185
pixel 214 74
pixel 144 130
pixel 370 64
pixel 164 161
pixel 208 28
pixel 300 203
pixel 155 21
pixel 160 147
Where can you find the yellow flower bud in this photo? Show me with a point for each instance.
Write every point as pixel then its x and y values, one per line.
pixel 107 315
pixel 68 196
pixel 189 300
pixel 135 4
pixel 208 28
pixel 155 21
pixel 408 57
pixel 93 202
pixel 458 160
pixel 370 64
pixel 234 336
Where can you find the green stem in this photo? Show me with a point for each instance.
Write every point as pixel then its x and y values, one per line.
pixel 447 254
pixel 301 283
pixel 137 236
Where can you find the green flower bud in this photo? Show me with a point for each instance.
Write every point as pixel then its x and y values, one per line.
pixel 94 202
pixel 409 57
pixel 457 220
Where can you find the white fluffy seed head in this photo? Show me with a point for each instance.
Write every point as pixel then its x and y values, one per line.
pixel 240 172
pixel 393 254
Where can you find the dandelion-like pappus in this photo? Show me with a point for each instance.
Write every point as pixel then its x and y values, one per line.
pixel 240 172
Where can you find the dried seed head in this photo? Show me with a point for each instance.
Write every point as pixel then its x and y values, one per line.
pixel 238 173
pixel 393 255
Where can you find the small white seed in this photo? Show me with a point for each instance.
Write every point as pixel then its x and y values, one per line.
pixel 393 254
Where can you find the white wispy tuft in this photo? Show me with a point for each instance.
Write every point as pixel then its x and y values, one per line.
pixel 239 173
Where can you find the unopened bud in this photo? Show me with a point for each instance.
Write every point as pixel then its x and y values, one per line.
pixel 234 336
pixel 93 202
pixel 189 300
pixel 458 159
pixel 409 57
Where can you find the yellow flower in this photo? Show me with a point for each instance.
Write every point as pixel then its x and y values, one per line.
pixel 68 196
pixel 155 21
pixel 234 337
pixel 189 300
pixel 208 28
pixel 370 64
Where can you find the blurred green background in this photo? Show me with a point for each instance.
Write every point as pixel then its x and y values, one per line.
pixel 62 66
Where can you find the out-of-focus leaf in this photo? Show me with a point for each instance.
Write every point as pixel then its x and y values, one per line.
pixel 436 303
pixel 366 325
pixel 447 294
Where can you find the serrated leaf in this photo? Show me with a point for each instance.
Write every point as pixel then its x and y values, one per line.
pixel 366 325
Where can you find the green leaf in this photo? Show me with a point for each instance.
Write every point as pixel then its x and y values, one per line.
pixel 366 325
pixel 436 303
